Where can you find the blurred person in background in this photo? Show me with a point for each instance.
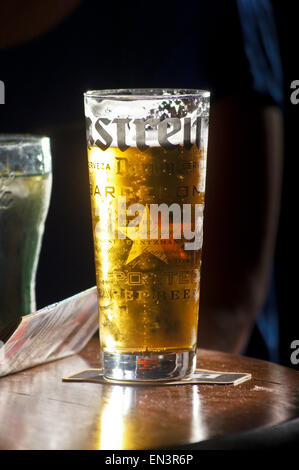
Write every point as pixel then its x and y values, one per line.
pixel 53 51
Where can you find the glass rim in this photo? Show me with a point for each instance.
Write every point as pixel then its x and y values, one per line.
pixel 26 154
pixel 132 94
pixel 10 139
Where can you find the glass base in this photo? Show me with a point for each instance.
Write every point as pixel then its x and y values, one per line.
pixel 151 367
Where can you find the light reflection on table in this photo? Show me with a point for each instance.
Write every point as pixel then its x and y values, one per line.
pixel 130 418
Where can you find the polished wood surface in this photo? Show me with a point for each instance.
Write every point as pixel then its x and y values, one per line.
pixel 39 411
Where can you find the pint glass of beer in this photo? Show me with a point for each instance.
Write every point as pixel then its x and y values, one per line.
pixel 25 189
pixel 147 165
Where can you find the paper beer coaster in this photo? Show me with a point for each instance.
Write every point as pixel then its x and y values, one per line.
pixel 200 376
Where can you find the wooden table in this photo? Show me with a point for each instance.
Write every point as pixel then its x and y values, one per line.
pixel 39 411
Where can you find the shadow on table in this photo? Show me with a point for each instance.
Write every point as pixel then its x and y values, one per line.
pixel 282 436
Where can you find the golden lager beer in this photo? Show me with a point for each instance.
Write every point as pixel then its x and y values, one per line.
pixel 147 199
pixel 148 288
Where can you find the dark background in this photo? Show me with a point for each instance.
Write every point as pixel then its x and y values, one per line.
pixel 287 258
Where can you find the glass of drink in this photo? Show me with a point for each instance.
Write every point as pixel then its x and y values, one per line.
pixel 147 166
pixel 25 188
